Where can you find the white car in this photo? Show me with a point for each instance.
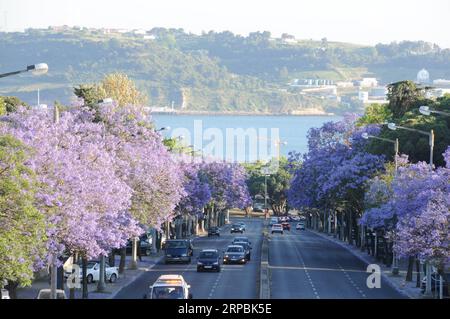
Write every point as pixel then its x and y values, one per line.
pixel 46 293
pixel 277 228
pixel 300 226
pixel 5 294
pixel 169 287
pixel 93 272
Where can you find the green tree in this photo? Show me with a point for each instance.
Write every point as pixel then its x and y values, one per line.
pixel 403 96
pixel 375 114
pixel 2 106
pixel 22 227
pixel 278 183
pixel 12 103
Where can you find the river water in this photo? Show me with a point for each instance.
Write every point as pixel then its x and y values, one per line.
pixel 241 137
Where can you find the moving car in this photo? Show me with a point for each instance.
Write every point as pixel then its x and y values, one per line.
pixel 93 272
pixel 213 231
pixel 273 220
pixel 178 250
pixel 286 226
pixel 277 228
pixel 300 226
pixel 169 287
pixel 208 259
pixel 258 208
pixel 234 254
pixel 246 247
pixel 243 225
pixel 237 228
pixel 240 239
pixel 45 294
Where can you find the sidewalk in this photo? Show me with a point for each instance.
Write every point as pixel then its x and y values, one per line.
pixel 129 276
pixel 397 282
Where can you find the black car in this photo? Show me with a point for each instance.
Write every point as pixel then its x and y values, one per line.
pixel 213 231
pixel 234 254
pixel 208 259
pixel 240 239
pixel 178 250
pixel 246 247
pixel 144 246
pixel 237 228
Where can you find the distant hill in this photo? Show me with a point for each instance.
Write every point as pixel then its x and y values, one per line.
pixel 210 72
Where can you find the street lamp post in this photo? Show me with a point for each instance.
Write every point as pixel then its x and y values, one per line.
pixel 425 110
pixel 393 126
pixel 36 69
pixel 395 269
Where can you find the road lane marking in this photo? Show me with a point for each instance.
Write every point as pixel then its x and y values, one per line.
pixel 314 268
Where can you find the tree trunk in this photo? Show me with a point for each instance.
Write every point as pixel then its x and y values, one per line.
pixel 112 259
pixel 84 276
pixel 410 268
pixel 418 282
pixel 123 255
pixel 12 289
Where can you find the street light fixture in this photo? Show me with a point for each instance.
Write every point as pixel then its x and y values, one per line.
pixel 393 126
pixel 36 69
pixel 425 110
pixel 365 135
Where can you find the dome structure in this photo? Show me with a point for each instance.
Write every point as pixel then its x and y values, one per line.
pixel 423 76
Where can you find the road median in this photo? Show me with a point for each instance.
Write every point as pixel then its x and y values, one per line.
pixel 264 277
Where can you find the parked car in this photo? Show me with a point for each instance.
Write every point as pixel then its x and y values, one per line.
pixel 435 283
pixel 46 293
pixel 234 254
pixel 277 228
pixel 286 226
pixel 213 231
pixel 240 239
pixel 208 259
pixel 178 250
pixel 5 294
pixel 169 287
pixel 93 272
pixel 300 226
pixel 237 228
pixel 246 247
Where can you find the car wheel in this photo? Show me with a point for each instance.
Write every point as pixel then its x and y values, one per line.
pixel 89 279
pixel 198 269
pixel 218 269
pixel 113 278
pixel 148 252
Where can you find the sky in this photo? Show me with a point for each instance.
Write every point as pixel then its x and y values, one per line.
pixel 356 21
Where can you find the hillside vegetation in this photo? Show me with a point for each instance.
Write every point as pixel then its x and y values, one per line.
pixel 212 71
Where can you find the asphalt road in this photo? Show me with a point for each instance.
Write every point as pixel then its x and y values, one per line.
pixel 305 265
pixel 233 282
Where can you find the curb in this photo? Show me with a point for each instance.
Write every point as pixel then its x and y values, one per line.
pixel 264 277
pixel 383 275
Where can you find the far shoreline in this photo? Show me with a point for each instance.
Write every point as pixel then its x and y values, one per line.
pixel 222 113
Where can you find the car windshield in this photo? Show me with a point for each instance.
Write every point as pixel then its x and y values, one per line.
pixel 236 225
pixel 235 249
pixel 240 239
pixel 208 254
pixel 167 292
pixel 176 244
pixel 244 245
